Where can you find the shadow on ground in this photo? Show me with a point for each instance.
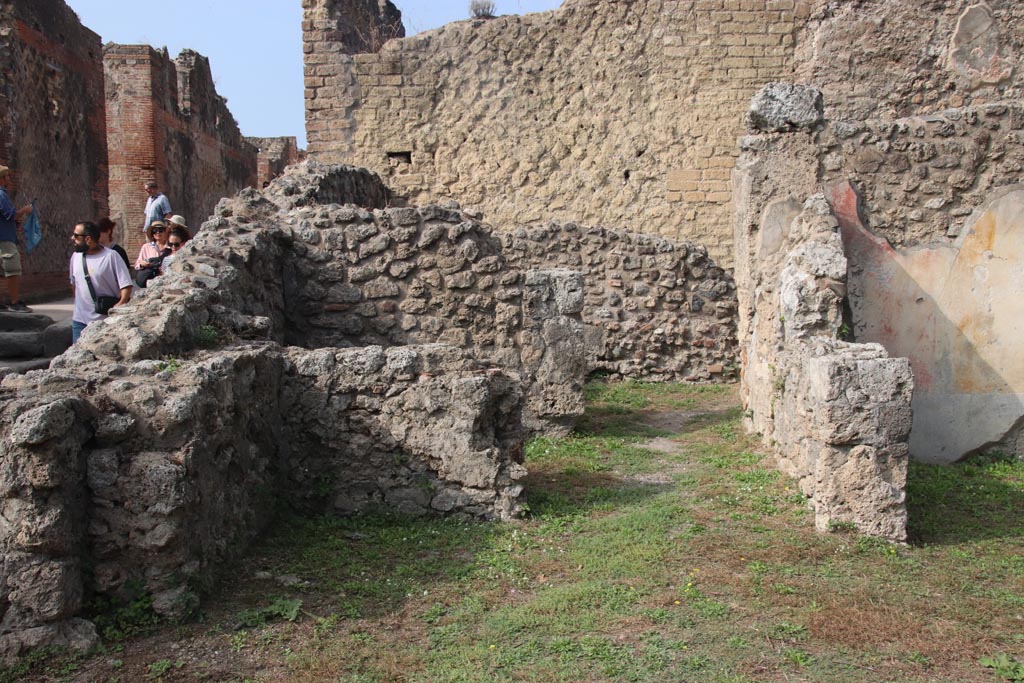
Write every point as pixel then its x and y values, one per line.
pixel 969 501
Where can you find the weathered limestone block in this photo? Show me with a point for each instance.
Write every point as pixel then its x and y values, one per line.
pixel 43 505
pixel 858 401
pixel 425 428
pixel 554 357
pixel 783 107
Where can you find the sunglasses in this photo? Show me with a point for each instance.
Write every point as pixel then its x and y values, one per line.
pixel 174 245
pixel 77 235
pixel 158 230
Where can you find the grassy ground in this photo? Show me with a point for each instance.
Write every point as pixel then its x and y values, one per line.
pixel 659 547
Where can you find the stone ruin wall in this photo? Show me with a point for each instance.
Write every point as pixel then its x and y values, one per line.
pixel 159 471
pixel 51 129
pixel 836 415
pixel 922 221
pixel 894 220
pixel 603 113
pixel 418 358
pixel 654 309
pixel 162 120
pixel 166 122
pixel 273 156
pixel 627 114
pixel 883 59
pixel 932 220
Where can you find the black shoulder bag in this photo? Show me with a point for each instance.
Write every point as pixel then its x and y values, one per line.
pixel 101 304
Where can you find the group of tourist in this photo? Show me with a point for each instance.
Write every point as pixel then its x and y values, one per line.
pixel 100 271
pixel 102 276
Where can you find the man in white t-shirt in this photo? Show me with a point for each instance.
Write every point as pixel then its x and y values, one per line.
pixel 108 276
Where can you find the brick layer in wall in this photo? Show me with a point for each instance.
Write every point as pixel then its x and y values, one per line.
pixel 603 113
pixel 167 123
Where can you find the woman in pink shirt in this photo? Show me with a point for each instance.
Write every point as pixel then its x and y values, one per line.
pixel 147 266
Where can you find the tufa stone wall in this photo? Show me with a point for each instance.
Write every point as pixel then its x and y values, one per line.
pixel 928 212
pixel 837 414
pixel 177 466
pixel 627 113
pixel 166 122
pixel 274 155
pixel 52 131
pixel 654 308
pixel 606 113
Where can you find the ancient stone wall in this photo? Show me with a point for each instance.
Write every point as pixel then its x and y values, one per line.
pixel 174 425
pixel 603 113
pixel 654 308
pixel 51 129
pixel 627 113
pixel 883 59
pixel 167 123
pixel 837 414
pixel 928 211
pixel 274 155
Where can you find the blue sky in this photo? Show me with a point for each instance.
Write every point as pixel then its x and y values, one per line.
pixel 254 46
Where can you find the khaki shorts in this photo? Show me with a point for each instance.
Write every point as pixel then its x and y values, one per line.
pixel 10 261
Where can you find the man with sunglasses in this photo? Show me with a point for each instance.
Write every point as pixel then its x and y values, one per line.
pixel 108 276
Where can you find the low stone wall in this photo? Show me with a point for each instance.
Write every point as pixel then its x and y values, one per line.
pixel 418 429
pixel 312 347
pixel 653 308
pixel 155 449
pixel 837 414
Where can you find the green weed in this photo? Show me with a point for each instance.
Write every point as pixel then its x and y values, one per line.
pixel 281 608
pixel 207 337
pixel 1004 666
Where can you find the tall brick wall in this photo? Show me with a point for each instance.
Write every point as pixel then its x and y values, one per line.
pixel 628 113
pixel 274 155
pixel 608 113
pixel 51 130
pixel 166 122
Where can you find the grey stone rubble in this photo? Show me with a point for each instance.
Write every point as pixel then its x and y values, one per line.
pixel 335 357
pixel 784 107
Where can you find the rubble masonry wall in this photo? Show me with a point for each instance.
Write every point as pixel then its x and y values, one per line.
pixel 52 131
pixel 152 456
pixel 627 114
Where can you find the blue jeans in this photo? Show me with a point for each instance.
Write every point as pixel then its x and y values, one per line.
pixel 76 330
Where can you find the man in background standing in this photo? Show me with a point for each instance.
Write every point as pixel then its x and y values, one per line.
pixel 158 207
pixel 10 259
